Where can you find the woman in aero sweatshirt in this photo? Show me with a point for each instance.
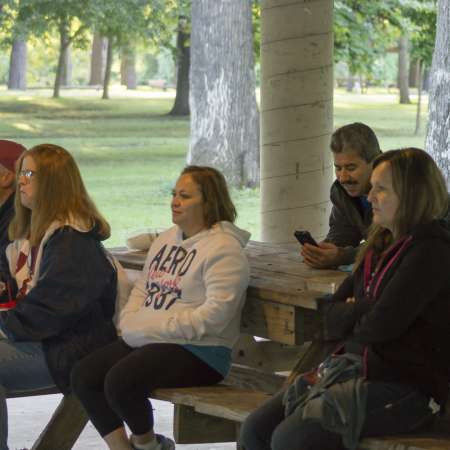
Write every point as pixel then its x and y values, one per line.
pixel 181 319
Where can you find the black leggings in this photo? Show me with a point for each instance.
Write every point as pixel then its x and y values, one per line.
pixel 114 382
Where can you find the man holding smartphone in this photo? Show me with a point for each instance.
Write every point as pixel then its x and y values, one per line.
pixel 354 148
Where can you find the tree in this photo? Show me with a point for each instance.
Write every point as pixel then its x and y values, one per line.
pixel 17 77
pixel 128 75
pixel 124 22
pixel 66 69
pixel 403 69
pixel 224 115
pixel 422 17
pixel 363 30
pixel 14 34
pixel 438 133
pixel 183 53
pixel 70 18
pixel 98 56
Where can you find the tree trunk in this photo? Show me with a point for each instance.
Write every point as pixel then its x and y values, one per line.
pixel 224 114
pixel 63 44
pixel 414 72
pixel 296 117
pixel 181 104
pixel 123 68
pixel 128 76
pixel 403 69
pixel 109 60
pixel 98 56
pixel 66 73
pixel 418 78
pixel 438 134
pixel 17 78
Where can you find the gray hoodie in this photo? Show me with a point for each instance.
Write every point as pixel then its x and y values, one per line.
pixel 191 291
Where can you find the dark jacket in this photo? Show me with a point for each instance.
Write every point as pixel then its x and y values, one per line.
pixel 70 308
pixel 348 222
pixel 404 331
pixel 6 215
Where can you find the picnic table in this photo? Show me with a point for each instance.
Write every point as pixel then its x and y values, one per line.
pixel 280 330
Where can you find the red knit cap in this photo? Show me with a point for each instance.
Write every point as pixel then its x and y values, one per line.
pixel 9 153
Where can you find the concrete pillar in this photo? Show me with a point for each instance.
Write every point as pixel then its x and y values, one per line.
pixel 296 117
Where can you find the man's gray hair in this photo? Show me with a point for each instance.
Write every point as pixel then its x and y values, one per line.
pixel 356 137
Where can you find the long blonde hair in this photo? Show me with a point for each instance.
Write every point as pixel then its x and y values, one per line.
pixel 422 192
pixel 60 195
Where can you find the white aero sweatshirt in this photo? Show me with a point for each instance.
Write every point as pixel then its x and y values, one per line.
pixel 190 291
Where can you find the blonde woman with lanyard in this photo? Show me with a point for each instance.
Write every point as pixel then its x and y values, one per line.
pixel 60 285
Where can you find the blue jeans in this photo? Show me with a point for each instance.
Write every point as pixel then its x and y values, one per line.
pixel 22 368
pixel 391 409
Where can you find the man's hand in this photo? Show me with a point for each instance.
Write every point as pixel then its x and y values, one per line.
pixel 325 256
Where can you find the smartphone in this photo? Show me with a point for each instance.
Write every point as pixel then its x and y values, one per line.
pixel 304 237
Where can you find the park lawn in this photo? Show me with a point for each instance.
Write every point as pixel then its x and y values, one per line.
pixel 130 151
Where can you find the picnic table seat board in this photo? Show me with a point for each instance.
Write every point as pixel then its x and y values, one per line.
pixel 280 309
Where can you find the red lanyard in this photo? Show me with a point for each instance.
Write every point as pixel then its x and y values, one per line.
pixel 378 274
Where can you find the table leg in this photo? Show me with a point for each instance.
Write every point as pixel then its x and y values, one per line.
pixel 64 427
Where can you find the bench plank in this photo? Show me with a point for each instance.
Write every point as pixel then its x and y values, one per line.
pixel 413 442
pixel 192 427
pixel 219 401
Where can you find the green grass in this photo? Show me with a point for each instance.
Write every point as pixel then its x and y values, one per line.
pixel 130 151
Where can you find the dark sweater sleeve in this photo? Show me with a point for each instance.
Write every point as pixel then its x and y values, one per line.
pixel 420 276
pixel 342 230
pixel 339 317
pixel 71 278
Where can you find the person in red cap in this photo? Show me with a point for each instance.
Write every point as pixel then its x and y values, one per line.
pixel 9 154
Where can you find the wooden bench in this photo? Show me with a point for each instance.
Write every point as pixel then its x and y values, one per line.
pixel 214 414
pixel 64 427
pixel 280 308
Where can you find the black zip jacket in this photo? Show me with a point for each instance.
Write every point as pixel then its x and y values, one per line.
pixel 404 331
pixel 70 308
pixel 348 222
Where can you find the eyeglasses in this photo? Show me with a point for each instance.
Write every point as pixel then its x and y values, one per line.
pixel 27 174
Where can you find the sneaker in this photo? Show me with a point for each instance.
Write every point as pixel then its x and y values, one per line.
pixel 165 443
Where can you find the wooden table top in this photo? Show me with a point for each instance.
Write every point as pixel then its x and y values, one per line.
pixel 277 273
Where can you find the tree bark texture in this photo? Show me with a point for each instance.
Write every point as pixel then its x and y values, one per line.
pixel 181 104
pixel 224 114
pixel 128 76
pixel 438 132
pixel 413 72
pixel 109 60
pixel 403 69
pixel 66 70
pixel 418 78
pixel 17 78
pixel 63 45
pixel 98 56
pixel 296 117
